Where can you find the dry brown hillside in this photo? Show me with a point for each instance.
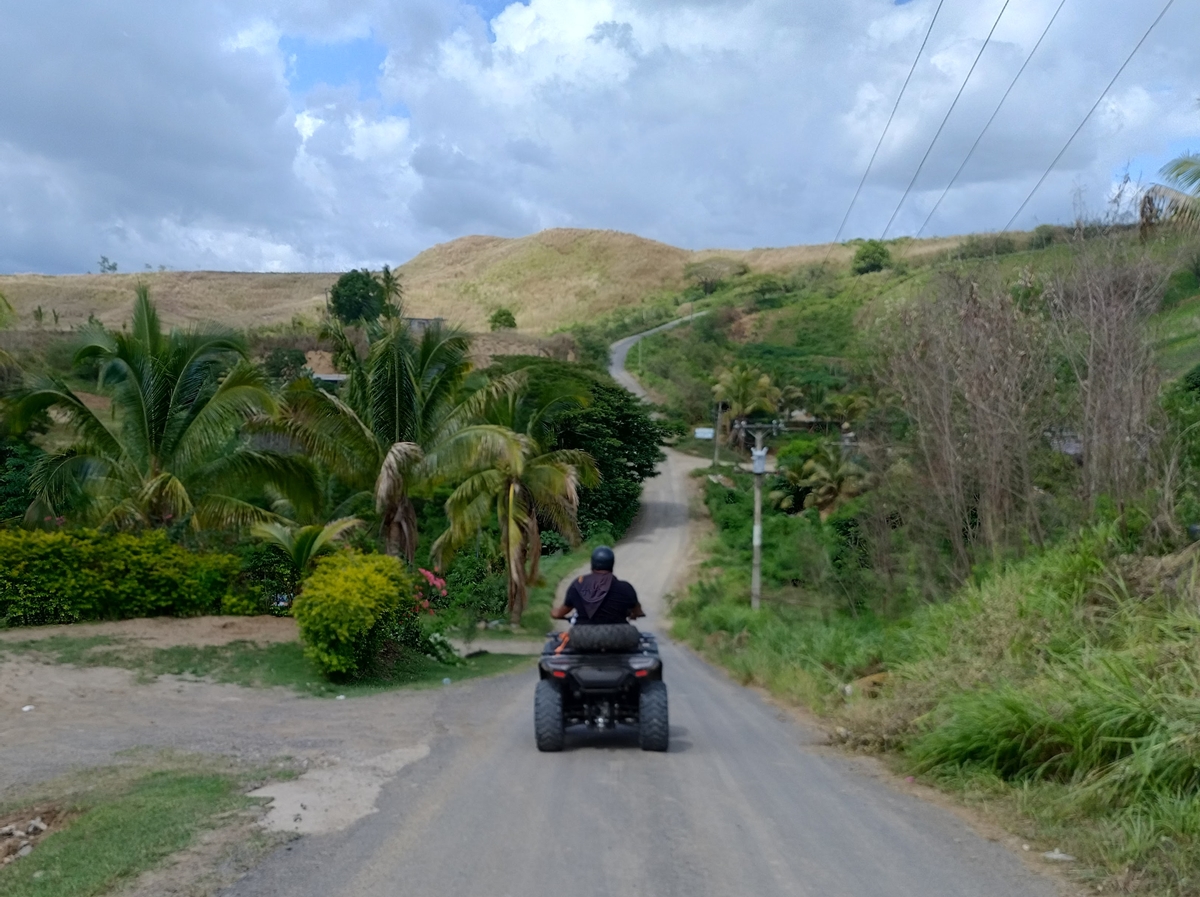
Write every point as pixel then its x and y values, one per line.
pixel 549 280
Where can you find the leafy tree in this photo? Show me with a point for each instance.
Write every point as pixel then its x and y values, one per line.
pixel 357 297
pixel 519 482
pixel 502 319
pixel 710 273
pixel 872 255
pixel 285 364
pixel 172 451
pixel 106 266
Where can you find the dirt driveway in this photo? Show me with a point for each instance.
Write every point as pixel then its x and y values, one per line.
pixel 84 717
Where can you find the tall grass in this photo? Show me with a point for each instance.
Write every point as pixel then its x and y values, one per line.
pixel 1065 687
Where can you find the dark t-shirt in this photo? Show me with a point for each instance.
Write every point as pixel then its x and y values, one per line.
pixel 615 607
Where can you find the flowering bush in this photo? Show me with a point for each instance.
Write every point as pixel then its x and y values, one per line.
pixel 430 591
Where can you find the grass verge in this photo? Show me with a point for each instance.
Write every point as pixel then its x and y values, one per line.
pixel 1058 694
pixel 123 821
pixel 253 665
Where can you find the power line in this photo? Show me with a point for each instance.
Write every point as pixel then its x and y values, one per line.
pixel 979 139
pixel 1095 106
pixel 903 88
pixel 949 111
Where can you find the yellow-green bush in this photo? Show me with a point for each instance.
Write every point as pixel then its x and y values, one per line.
pixel 69 576
pixel 350 605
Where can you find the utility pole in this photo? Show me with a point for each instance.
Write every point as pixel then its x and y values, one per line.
pixel 759 456
pixel 717 437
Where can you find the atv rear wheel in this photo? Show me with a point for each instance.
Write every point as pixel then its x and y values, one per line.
pixel 652 717
pixel 548 717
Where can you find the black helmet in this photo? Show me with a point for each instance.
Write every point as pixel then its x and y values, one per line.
pixel 602 558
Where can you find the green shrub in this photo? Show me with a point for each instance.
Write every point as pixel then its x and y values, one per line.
pixel 979 247
pixel 502 319
pixel 285 364
pixel 873 255
pixel 1182 285
pixel 354 610
pixel 16 463
pixel 1043 236
pixel 67 577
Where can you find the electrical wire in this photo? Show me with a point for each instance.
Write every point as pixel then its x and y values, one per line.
pixel 979 139
pixel 949 112
pixel 871 163
pixel 1095 106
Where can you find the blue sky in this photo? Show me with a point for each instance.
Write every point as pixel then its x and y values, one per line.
pixel 357 61
pixel 322 135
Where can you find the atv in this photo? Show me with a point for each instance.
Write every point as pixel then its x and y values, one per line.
pixel 599 676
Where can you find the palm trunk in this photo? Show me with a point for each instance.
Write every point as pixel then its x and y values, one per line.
pixel 400 531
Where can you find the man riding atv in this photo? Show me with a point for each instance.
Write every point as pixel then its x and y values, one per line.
pixel 603 671
pixel 599 597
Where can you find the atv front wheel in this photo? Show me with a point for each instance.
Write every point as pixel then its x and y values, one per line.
pixel 652 716
pixel 548 717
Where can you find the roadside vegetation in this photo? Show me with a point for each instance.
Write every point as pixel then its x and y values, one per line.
pixel 980 541
pixel 152 471
pixel 106 827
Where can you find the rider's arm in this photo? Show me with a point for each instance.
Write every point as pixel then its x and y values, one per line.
pixel 567 608
pixel 635 611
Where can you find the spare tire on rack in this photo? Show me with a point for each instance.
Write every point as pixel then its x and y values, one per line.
pixel 604 638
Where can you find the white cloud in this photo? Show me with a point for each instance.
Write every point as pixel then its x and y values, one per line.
pixel 261 37
pixel 306 124
pixel 170 135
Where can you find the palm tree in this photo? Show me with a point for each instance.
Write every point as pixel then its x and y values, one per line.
pixel 1177 201
pixel 400 420
pixel 846 407
pixel 6 312
pixel 302 545
pixel 744 390
pixel 831 480
pixel 521 482
pixel 172 450
pixel 393 293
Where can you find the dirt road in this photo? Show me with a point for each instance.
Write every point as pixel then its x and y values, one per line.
pixel 747 801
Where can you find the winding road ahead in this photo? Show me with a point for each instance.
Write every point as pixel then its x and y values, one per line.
pixel 747 801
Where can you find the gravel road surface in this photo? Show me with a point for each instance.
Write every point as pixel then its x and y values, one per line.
pixel 747 801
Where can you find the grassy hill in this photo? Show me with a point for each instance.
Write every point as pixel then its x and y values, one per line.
pixel 550 280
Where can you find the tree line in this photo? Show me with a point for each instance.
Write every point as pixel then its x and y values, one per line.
pixel 178 429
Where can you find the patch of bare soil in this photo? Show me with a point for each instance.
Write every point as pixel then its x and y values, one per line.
pixel 216 859
pixel 170 632
pixel 20 830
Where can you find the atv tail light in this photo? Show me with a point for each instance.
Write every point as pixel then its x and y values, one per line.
pixel 559 674
pixel 641 674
